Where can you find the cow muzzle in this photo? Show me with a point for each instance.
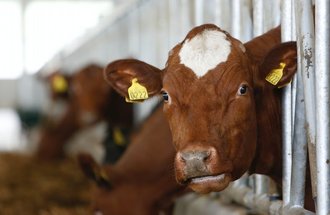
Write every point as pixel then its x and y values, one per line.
pixel 200 169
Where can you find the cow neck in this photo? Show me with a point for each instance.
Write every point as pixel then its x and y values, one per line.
pixel 268 156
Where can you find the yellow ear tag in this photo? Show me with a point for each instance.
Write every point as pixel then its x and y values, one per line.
pixel 59 84
pixel 136 92
pixel 118 137
pixel 275 75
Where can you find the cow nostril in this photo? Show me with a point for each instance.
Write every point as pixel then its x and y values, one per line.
pixel 207 156
pixel 195 155
pixel 182 158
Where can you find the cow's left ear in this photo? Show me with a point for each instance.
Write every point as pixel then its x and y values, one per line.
pixel 122 74
pixel 279 65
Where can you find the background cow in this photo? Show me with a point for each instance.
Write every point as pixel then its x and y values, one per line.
pixel 142 181
pixel 91 100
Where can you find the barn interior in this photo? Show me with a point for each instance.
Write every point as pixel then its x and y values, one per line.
pixel 48 97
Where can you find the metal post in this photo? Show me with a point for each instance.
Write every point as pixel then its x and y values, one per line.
pixel 172 20
pixel 305 38
pixel 294 81
pixel 186 23
pixel 199 12
pixel 258 17
pixel 286 109
pixel 217 13
pixel 299 146
pixel 236 19
pixel 322 66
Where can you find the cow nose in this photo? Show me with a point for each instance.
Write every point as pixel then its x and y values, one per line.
pixel 195 162
pixel 195 155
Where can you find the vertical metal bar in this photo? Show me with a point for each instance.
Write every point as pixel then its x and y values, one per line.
pixel 185 18
pixel 322 66
pixel 261 185
pixel 299 146
pixel 199 12
pixel 257 17
pixel 294 81
pixel 217 12
pixel 236 18
pixel 286 109
pixel 172 22
pixel 305 38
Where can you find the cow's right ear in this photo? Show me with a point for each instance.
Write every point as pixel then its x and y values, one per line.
pixel 93 171
pixel 120 74
pixel 279 65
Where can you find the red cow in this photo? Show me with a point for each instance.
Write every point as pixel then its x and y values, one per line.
pixel 91 100
pixel 142 181
pixel 224 116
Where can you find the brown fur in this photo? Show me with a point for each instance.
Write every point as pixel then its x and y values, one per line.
pixel 142 181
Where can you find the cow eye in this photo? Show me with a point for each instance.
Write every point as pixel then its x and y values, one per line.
pixel 242 89
pixel 165 96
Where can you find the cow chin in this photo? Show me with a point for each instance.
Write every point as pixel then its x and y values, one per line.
pixel 208 184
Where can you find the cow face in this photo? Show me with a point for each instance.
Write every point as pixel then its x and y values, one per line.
pixel 210 86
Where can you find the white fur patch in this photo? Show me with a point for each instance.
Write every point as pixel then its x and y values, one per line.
pixel 205 51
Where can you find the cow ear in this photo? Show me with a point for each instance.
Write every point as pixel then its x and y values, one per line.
pixel 121 74
pixel 279 65
pixel 93 171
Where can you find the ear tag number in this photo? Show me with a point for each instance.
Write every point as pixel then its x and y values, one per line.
pixel 59 84
pixel 136 92
pixel 275 75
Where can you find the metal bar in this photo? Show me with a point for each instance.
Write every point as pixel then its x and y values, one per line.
pixel 322 66
pixel 199 12
pixel 261 185
pixel 236 19
pixel 294 81
pixel 186 23
pixel 261 203
pixel 286 109
pixel 299 152
pixel 305 38
pixel 258 17
pixel 217 13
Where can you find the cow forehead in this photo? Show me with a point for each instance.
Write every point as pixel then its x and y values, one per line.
pixel 205 51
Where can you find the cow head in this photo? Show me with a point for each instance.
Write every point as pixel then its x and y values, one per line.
pixel 210 87
pixel 88 92
pixel 95 100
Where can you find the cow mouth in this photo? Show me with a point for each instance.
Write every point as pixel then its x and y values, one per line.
pixel 205 179
pixel 209 183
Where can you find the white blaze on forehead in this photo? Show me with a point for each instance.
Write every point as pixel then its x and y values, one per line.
pixel 205 51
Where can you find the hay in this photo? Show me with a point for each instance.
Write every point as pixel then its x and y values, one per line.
pixel 28 186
